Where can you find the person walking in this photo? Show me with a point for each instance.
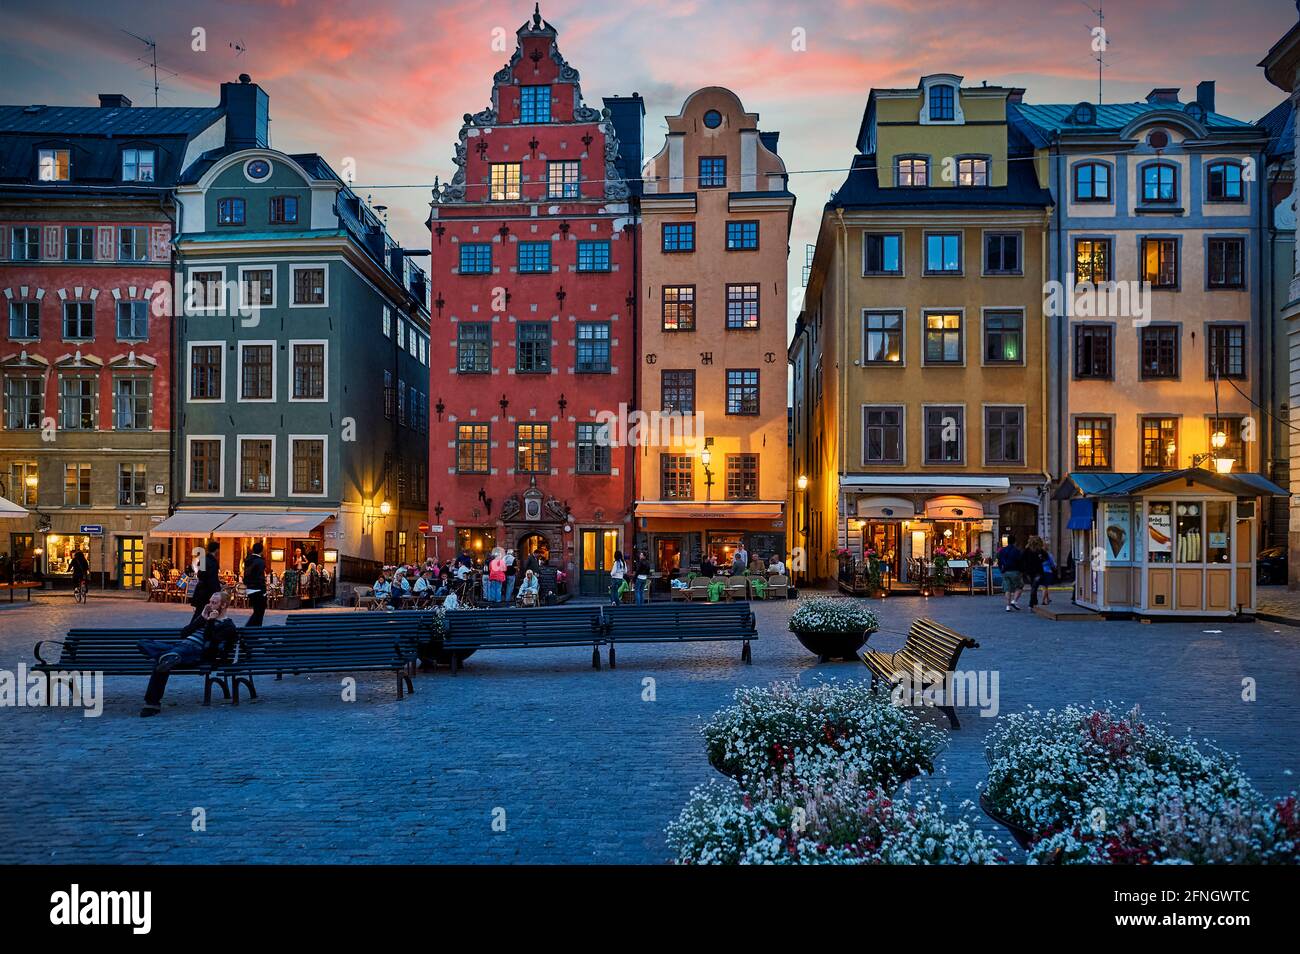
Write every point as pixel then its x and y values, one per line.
pixel 617 573
pixel 642 579
pixel 496 577
pixel 255 584
pixel 209 580
pixel 1010 561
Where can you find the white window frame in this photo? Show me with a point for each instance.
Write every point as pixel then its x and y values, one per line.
pixel 239 465
pixel 189 372
pixel 325 470
pixel 289 383
pixel 275 290
pixel 189 465
pixel 53 154
pixel 239 370
pixel 190 272
pixel 293 283
pixel 153 163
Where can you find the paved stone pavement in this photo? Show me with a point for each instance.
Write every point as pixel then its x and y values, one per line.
pixel 584 769
pixel 1279 602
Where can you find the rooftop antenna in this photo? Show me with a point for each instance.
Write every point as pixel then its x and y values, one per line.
pixel 153 61
pixel 1100 42
pixel 239 46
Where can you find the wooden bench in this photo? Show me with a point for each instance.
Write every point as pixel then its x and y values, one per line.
pixel 524 628
pixel 21 586
pixel 411 628
pixel 931 649
pixel 680 623
pixel 262 651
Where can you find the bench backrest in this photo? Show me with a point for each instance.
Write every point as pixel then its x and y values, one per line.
pixel 581 623
pixel 704 617
pixel 933 646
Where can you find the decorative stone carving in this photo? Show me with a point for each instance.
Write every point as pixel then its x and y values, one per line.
pixel 556 509
pixel 510 509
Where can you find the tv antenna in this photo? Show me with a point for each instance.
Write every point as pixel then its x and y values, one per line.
pixel 239 47
pixel 1100 41
pixel 152 61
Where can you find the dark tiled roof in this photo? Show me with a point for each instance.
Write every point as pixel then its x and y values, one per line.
pixel 1279 123
pixel 862 190
pixel 99 121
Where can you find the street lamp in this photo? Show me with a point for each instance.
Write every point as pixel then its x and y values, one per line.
pixel 802 482
pixel 706 458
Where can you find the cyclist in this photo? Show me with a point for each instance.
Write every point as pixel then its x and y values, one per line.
pixel 80 575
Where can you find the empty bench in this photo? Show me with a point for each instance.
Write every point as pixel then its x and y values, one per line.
pixel 930 654
pixel 412 629
pixel 680 623
pixel 532 628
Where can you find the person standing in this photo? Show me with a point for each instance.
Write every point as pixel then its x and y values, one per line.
pixel 617 573
pixel 496 577
pixel 740 561
pixel 209 580
pixel 1035 562
pixel 511 571
pixel 1010 561
pixel 255 584
pixel 642 578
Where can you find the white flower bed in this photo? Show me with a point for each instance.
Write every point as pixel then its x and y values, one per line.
pixel 820 732
pixel 1106 787
pixel 826 614
pixel 842 823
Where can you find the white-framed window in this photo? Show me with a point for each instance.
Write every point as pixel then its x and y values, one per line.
pixel 256 465
pixel 133 243
pixel 54 165
pixel 256 372
pixel 401 334
pixel 308 469
pixel 205 474
pixel 257 286
pixel 205 364
pixel 205 289
pixel 309 370
pixel 388 322
pixel 138 165
pixel 25 243
pixel 132 320
pixel 309 285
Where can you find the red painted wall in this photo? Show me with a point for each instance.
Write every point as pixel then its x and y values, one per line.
pixel 609 296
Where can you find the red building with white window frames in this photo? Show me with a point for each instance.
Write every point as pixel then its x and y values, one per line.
pixel 533 327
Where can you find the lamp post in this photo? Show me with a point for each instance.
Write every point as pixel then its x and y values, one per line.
pixel 801 485
pixel 706 458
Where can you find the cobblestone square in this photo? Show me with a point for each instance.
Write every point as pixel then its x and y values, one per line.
pixel 582 767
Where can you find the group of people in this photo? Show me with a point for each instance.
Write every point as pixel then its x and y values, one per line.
pixel 710 566
pixel 503 580
pixel 1032 568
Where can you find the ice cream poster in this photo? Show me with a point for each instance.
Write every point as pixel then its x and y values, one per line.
pixel 1116 527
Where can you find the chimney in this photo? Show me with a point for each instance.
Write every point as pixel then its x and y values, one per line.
pixel 1016 94
pixel 247 114
pixel 627 113
pixel 1205 95
pixel 118 101
pixel 1163 96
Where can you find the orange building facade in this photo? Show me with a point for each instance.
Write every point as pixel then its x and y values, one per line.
pixel 716 213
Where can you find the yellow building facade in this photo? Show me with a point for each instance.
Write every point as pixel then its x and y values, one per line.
pixel 716 213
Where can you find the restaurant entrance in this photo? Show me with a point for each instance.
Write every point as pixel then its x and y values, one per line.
pixel 884 539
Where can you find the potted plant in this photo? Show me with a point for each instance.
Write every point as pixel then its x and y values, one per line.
pixel 784 731
pixel 874 577
pixel 939 573
pixel 833 627
pixel 1104 786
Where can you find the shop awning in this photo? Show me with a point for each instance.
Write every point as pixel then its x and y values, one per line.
pixel 954 507
pixel 712 510
pixel 927 483
pixel 886 508
pixel 190 523
pixel 10 510
pixel 271 524
pixel 1088 484
pixel 1080 515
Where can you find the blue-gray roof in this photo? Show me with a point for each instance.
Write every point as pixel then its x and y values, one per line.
pixel 100 121
pixel 1055 117
pixel 1279 123
pixel 1091 484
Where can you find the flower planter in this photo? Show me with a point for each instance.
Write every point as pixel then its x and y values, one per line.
pixel 938 591
pixel 827 646
pixel 1023 837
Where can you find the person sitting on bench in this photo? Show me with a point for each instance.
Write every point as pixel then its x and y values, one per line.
pixel 528 589
pixel 212 635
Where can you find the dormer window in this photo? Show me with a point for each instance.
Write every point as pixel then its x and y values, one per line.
pixel 230 211
pixel 138 165
pixel 1223 182
pixel 973 171
pixel 912 171
pixel 943 103
pixel 534 104
pixel 283 209
pixel 54 165
pixel 1084 115
pixel 1160 182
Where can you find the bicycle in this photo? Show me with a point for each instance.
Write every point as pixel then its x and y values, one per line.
pixel 80 591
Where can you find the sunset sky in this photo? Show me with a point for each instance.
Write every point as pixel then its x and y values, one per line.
pixel 387 81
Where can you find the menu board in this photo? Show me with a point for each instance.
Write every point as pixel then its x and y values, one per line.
pixel 1160 532
pixel 1116 523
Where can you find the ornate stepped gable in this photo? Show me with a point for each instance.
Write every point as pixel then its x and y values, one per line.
pixel 616 187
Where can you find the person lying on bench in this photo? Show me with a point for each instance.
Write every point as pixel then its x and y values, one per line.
pixel 209 636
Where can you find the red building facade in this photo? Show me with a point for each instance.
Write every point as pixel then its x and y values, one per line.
pixel 533 332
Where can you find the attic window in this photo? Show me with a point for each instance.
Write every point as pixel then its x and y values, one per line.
pixel 138 165
pixel 713 119
pixel 943 99
pixel 256 170
pixel 54 165
pixel 1084 115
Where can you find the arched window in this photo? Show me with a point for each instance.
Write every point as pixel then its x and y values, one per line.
pixel 943 103
pixel 1091 182
pixel 1223 182
pixel 911 171
pixel 1160 182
